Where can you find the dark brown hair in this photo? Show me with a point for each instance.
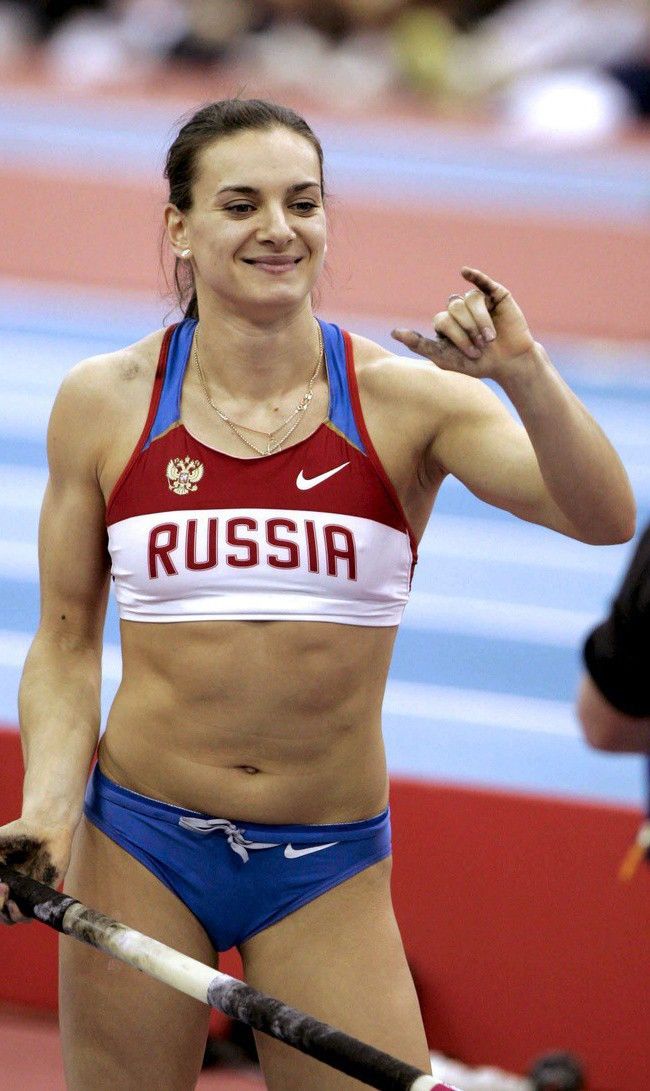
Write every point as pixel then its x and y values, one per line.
pixel 223 118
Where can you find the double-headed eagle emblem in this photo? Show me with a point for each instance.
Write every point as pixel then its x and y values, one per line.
pixel 183 474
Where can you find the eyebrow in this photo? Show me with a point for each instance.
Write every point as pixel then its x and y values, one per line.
pixel 251 191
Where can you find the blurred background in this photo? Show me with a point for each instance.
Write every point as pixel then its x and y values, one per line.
pixel 508 135
pixel 577 67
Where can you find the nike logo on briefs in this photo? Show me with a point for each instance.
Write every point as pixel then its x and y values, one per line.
pixel 310 482
pixel 293 854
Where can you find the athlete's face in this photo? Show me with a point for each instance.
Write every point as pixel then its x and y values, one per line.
pixel 256 228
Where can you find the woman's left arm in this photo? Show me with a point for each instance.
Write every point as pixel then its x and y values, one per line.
pixel 560 469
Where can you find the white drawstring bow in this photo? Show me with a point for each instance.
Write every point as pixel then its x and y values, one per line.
pixel 236 839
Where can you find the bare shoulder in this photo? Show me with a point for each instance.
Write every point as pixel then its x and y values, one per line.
pixel 113 376
pixel 100 391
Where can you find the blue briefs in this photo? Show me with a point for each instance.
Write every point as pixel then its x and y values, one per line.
pixel 237 878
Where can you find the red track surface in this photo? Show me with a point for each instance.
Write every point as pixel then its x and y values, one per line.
pixel 395 259
pixel 389 261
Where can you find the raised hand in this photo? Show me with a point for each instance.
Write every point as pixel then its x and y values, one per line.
pixel 481 333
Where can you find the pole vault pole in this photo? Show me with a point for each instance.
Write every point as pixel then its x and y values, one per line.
pixel 230 996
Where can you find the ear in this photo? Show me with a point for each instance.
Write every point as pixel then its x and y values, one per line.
pixel 176 230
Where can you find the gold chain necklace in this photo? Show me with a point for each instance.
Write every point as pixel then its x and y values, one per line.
pixel 295 417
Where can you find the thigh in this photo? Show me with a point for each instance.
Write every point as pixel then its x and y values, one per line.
pixel 341 959
pixel 122 1030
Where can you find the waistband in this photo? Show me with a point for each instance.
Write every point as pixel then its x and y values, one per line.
pixel 102 789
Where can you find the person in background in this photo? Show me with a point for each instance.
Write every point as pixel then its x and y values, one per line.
pixel 614 698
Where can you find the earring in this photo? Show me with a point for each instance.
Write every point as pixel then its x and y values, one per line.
pixel 186 254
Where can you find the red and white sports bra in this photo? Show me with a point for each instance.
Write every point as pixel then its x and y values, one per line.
pixel 314 532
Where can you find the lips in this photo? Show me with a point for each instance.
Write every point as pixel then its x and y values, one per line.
pixel 274 265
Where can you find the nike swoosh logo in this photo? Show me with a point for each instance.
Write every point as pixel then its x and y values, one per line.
pixel 293 854
pixel 310 482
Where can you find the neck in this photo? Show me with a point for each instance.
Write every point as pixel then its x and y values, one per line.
pixel 257 360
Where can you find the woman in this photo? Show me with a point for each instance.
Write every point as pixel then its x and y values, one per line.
pixel 256 482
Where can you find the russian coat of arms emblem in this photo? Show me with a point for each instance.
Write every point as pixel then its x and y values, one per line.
pixel 183 475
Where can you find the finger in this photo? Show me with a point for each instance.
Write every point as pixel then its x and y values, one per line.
pixel 417 342
pixel 447 326
pixel 9 911
pixel 462 315
pixel 494 292
pixel 411 338
pixel 477 307
pixel 437 349
pixel 14 914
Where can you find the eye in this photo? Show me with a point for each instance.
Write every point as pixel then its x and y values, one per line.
pixel 240 208
pixel 304 206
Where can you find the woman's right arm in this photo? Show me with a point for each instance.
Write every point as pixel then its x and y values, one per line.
pixel 59 697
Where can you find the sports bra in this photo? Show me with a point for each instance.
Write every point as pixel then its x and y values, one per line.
pixel 312 532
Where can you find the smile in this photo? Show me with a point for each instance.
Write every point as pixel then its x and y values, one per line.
pixel 274 267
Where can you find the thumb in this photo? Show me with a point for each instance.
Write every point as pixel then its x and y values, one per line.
pixel 410 338
pixel 438 348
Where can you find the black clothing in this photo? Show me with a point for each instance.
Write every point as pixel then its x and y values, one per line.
pixel 617 653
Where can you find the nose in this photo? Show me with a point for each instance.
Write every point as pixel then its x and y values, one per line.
pixel 274 226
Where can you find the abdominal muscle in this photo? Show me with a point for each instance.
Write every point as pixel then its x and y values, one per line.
pixel 276 722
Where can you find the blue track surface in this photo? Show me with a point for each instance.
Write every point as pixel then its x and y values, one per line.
pixel 486 665
pixel 426 161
